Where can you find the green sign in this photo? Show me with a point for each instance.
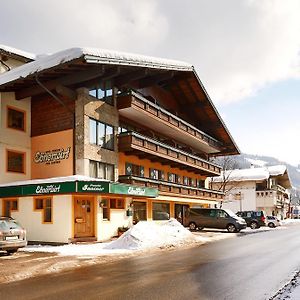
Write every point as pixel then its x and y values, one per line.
pixel 10 191
pixel 126 189
pixel 49 189
pixel 93 187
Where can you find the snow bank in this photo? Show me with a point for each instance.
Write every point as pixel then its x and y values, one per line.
pixel 147 234
pixel 142 236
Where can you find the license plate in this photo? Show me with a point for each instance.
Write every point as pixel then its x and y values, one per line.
pixel 9 238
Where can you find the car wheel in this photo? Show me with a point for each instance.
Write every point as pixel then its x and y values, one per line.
pixel 231 228
pixel 254 225
pixel 12 251
pixel 271 225
pixel 193 226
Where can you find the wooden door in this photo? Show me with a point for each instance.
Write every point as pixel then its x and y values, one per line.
pixel 84 223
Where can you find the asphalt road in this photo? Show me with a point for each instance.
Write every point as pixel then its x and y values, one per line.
pixel 250 266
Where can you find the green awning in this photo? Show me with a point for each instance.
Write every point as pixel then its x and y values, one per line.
pixel 91 187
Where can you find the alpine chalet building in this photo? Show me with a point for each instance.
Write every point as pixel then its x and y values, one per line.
pixel 92 140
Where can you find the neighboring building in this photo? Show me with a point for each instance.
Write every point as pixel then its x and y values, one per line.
pixel 93 139
pixel 256 189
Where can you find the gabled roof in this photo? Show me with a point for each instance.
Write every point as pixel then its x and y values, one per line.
pixel 77 65
pixel 16 53
pixel 255 174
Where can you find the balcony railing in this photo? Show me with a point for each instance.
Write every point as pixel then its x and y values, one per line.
pixel 132 142
pixel 134 106
pixel 169 188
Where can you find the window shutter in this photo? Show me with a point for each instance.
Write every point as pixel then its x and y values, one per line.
pixel 170 177
pixel 142 171
pixel 151 173
pixel 178 179
pixel 128 167
pixel 162 175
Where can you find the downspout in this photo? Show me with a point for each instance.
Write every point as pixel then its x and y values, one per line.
pixel 5 65
pixel 66 107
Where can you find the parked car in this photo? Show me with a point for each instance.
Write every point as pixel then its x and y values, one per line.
pixel 273 221
pixel 253 218
pixel 12 235
pixel 213 218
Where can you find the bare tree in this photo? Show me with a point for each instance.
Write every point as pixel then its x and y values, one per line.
pixel 228 164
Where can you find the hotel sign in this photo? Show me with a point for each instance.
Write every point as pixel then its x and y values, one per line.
pixel 52 156
pixel 118 188
pixel 49 189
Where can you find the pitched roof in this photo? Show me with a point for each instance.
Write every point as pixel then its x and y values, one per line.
pixel 255 174
pixel 92 55
pixel 75 63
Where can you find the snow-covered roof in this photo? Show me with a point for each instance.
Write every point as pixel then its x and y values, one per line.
pixel 53 180
pixel 93 55
pixel 17 52
pixel 277 170
pixel 252 174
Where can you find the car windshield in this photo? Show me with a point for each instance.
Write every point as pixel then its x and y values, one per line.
pixel 6 225
pixel 230 212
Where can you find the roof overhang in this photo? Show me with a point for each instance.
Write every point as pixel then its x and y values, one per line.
pixel 76 66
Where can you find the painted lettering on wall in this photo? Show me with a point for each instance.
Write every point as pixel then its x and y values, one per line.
pixel 52 156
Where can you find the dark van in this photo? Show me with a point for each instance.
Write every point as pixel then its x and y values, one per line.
pixel 214 218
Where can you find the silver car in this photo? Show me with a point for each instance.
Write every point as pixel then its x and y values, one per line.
pixel 12 235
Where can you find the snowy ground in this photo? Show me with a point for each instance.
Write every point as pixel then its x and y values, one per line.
pixel 145 238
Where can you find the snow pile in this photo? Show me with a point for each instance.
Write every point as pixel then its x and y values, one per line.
pixel 290 221
pixel 142 236
pixel 147 234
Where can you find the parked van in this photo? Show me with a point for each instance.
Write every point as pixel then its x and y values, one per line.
pixel 214 218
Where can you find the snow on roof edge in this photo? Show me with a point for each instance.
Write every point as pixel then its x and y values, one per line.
pixel 92 55
pixel 17 52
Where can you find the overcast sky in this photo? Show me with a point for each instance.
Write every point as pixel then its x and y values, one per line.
pixel 246 52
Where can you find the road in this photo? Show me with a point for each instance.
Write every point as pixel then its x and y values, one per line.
pixel 250 267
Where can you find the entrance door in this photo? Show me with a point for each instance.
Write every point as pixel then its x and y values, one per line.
pixel 181 213
pixel 84 217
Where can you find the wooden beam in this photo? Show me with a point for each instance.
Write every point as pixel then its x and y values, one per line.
pixel 65 80
pixel 66 92
pixel 155 79
pixel 129 77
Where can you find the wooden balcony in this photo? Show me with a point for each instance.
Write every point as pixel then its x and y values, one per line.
pixel 145 147
pixel 169 188
pixel 134 106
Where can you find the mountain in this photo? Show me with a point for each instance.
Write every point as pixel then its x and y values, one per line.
pixel 245 161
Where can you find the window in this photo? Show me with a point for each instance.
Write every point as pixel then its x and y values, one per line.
pixel 139 211
pixel 134 170
pixel 156 174
pixel 173 178
pixel 15 119
pixel 103 92
pixel 117 203
pixel 105 209
pixel 101 134
pixel 160 211
pixel 15 162
pixel 121 130
pixel 102 170
pixel 45 206
pixel 188 181
pixel 9 205
pixel 200 183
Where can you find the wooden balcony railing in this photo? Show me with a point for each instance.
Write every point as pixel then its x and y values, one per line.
pixel 137 144
pixel 134 106
pixel 169 188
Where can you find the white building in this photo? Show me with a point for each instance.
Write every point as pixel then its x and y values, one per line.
pixel 255 189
